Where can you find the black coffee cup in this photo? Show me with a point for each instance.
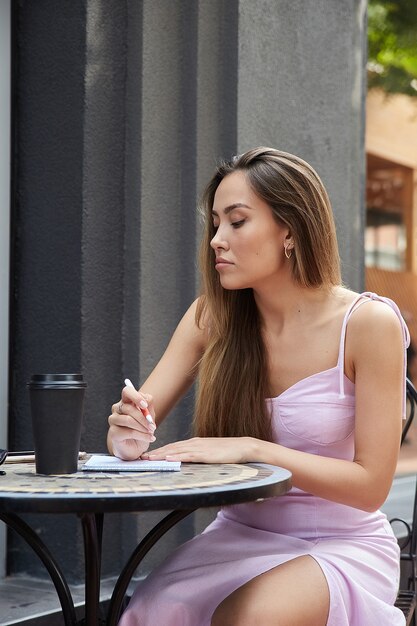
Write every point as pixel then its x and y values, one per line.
pixel 57 404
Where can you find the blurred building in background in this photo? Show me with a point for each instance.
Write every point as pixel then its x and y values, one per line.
pixel 391 155
pixel 391 200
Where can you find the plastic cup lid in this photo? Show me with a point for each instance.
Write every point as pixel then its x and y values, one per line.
pixel 57 379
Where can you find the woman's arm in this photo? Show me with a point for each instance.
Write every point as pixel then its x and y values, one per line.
pixel 375 359
pixel 375 356
pixel 129 433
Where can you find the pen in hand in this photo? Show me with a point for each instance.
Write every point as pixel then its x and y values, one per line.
pixel 144 410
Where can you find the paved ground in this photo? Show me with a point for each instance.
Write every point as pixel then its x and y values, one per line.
pixel 32 602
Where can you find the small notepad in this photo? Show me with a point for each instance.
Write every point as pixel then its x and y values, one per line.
pixel 107 463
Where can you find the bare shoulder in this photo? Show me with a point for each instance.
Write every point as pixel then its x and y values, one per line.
pixel 374 332
pixel 194 325
pixel 375 318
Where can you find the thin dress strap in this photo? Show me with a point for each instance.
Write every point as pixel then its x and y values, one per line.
pixel 341 359
pixel 368 296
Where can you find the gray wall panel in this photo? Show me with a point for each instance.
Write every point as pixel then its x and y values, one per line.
pixel 168 194
pixel 312 102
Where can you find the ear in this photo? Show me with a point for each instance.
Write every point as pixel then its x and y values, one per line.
pixel 289 241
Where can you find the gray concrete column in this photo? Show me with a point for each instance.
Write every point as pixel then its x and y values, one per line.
pixel 301 88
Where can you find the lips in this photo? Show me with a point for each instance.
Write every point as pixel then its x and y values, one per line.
pixel 221 261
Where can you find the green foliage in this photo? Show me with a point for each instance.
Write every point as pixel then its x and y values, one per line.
pixel 392 46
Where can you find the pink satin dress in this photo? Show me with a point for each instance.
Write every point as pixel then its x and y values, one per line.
pixel 356 550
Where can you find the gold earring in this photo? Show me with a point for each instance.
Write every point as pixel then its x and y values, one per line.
pixel 288 251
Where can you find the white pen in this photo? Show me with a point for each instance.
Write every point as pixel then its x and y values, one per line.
pixel 144 410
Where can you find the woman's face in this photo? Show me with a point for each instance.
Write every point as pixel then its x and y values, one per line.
pixel 249 242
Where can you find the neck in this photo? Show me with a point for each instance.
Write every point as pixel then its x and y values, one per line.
pixel 289 302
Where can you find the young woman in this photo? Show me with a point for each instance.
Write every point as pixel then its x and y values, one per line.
pixel 294 370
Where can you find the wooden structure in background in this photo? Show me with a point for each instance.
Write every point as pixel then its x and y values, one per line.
pixel 391 199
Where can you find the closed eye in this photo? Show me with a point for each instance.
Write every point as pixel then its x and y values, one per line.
pixel 238 224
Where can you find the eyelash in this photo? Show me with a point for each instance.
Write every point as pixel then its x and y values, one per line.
pixel 234 225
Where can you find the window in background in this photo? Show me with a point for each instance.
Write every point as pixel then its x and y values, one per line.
pixel 387 201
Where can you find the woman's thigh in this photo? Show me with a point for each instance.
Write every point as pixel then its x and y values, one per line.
pixel 293 594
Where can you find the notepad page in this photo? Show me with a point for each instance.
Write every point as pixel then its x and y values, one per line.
pixel 107 463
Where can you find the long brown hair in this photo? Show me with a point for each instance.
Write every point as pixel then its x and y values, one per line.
pixel 233 378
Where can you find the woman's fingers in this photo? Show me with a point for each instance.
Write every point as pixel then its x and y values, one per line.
pixel 131 395
pixel 132 425
pixel 116 407
pixel 206 450
pixel 188 446
pixel 139 401
pixel 125 407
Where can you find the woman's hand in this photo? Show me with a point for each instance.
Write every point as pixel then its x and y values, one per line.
pixel 207 450
pixel 129 432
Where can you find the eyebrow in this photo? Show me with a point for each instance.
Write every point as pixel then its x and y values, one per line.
pixel 236 205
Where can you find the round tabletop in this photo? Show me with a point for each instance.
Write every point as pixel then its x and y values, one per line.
pixel 195 485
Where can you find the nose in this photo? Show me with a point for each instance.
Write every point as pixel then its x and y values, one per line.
pixel 219 242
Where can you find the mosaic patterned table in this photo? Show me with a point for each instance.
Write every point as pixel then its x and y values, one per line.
pixel 92 494
pixel 195 485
